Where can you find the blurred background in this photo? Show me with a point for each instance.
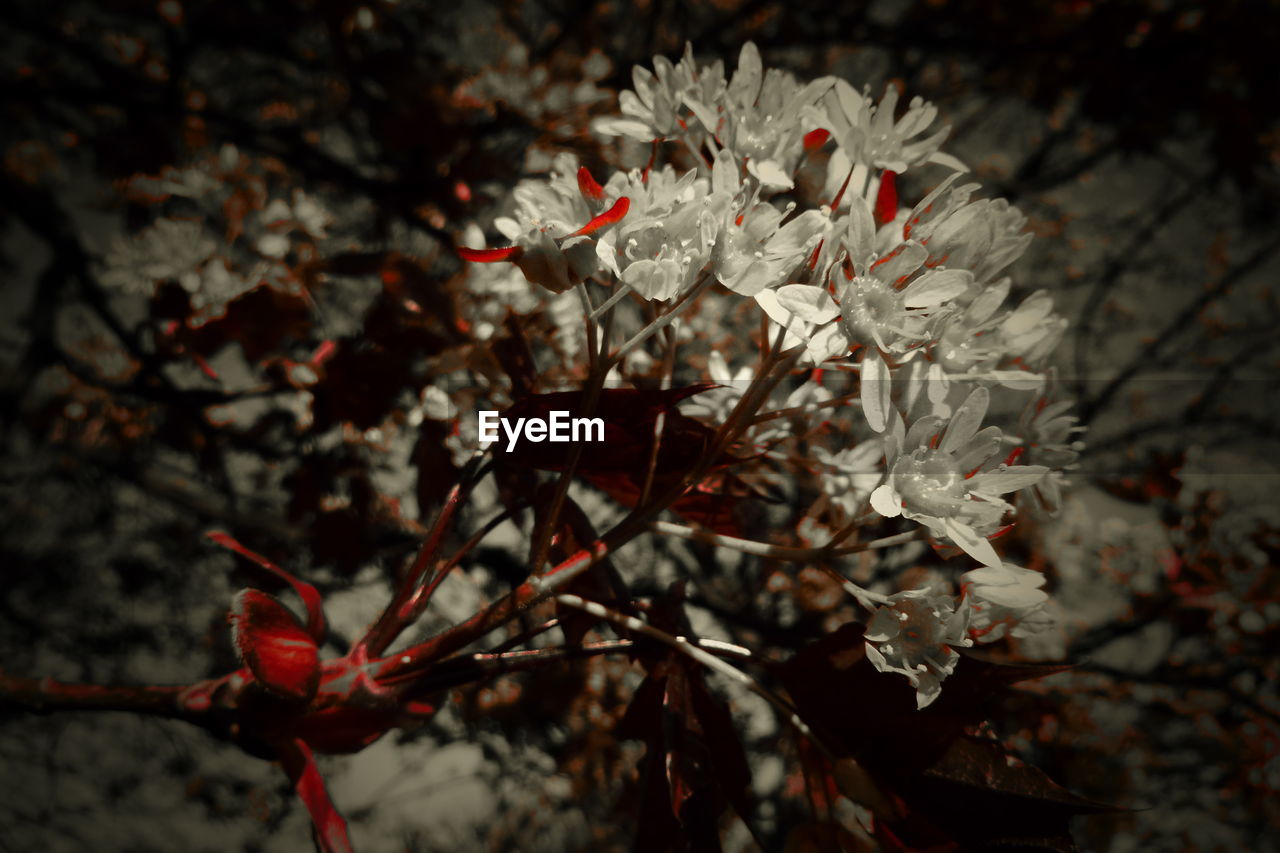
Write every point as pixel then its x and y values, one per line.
pixel 296 174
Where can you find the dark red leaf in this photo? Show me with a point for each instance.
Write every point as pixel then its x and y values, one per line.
pixel 515 355
pixel 362 383
pixel 727 757
pixel 431 457
pixel 982 763
pixel 261 321
pixel 685 752
pixel 967 793
pixel 281 655
pixel 628 416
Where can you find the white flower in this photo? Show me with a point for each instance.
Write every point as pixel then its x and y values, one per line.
pixel 760 119
pixel 806 312
pixel 1049 438
pixel 755 250
pixel 849 475
pixel 667 238
pixel 1008 347
pixel 984 236
pixel 555 228
pixel 1004 598
pixel 869 135
pixel 757 116
pixel 656 107
pixel 1032 331
pixel 949 480
pixel 913 636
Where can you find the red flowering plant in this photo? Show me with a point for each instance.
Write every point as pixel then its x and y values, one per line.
pixel 776 363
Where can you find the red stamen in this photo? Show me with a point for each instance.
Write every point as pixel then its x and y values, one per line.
pixel 205 367
pixel 887 198
pixel 835 204
pixel 887 257
pixel 324 352
pixel 1013 455
pixel 813 261
pixel 815 139
pixel 588 185
pixel 653 158
pixel 1002 531
pixel 488 256
pixel 610 217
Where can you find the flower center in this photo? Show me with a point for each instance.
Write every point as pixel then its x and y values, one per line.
pixel 872 312
pixel 929 482
pixel 920 624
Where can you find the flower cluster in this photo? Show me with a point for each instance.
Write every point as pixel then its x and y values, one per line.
pixel 915 299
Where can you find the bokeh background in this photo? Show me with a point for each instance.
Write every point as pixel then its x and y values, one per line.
pixel 1142 139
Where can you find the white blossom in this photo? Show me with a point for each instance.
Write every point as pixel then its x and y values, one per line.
pixel 913 636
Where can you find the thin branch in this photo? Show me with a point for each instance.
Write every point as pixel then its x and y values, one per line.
pixel 692 649
pixel 1184 319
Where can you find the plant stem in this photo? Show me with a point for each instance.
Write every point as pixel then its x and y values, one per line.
pixel 784 552
pixel 691 649
pixel 401 610
pixel 668 317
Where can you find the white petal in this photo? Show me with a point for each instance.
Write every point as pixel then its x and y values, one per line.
pixel 624 127
pixel 971 543
pixel 922 431
pixel 808 302
pixel 1000 575
pixel 884 500
pixel 827 343
pixel 725 174
pixel 935 287
pixel 1014 595
pixel 745 85
pixel 874 387
pixel 928 688
pixel 1029 314
pixel 1018 380
pixel 982 447
pixel 937 383
pixel 877 659
pixel 701 111
pixel 965 422
pixel 944 159
pixel 770 175
pixel 1002 482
